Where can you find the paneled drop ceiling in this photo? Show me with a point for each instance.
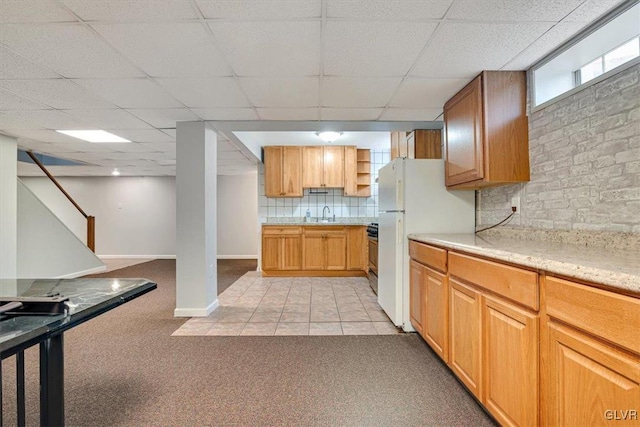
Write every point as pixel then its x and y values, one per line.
pixel 135 67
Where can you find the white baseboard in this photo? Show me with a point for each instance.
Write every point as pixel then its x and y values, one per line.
pixel 196 312
pixel 137 256
pixel 237 256
pixel 83 273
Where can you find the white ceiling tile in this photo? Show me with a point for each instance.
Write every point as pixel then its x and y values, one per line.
pixel 33 11
pixel 226 146
pixel 10 101
pixel 215 92
pixel 38 146
pixel 142 135
pixel 591 10
pixel 108 119
pixel 512 10
pixel 270 48
pixel 79 147
pixel 133 147
pixel 282 92
pixel 288 113
pixel 56 93
pixel 170 132
pixel 131 10
pixel 167 49
pixel 349 113
pixel 69 49
pixel 49 119
pixel 225 113
pixel 358 92
pixel 44 135
pixel 130 93
pixel 164 117
pixel 545 44
pixel 410 114
pixel 373 48
pixel 14 66
pixel 388 9
pixel 260 9
pixel 426 93
pixel 231 155
pixel 465 49
pixel 165 147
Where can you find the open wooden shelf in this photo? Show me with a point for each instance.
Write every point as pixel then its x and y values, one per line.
pixel 364 172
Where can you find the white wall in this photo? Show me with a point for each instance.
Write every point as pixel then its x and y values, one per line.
pixel 8 209
pixel 135 216
pixel 238 216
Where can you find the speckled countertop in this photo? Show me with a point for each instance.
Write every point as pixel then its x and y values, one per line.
pixel 611 267
pixel 338 221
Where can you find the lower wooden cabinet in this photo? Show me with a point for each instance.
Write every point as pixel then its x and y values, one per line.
pixel 282 248
pixel 325 249
pixel 465 339
pixel 436 304
pixel 416 294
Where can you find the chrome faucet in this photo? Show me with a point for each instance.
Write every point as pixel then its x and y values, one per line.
pixel 327 208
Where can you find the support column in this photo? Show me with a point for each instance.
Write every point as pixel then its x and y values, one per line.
pixel 8 207
pixel 196 249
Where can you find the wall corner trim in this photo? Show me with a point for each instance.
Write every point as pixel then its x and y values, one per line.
pixel 196 312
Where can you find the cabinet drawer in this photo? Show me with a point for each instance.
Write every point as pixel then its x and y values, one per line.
pixel 611 316
pixel 281 230
pixel 321 230
pixel 513 283
pixel 433 257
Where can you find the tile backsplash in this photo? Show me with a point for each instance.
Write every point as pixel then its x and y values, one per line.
pixel 339 205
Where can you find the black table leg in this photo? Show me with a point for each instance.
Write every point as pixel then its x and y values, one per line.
pixel 52 381
pixel 20 388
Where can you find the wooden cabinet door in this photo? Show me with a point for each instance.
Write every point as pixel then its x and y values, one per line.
pixel 313 252
pixel 510 363
pixel 357 248
pixel 465 339
pixel 590 382
pixel 350 170
pixel 312 167
pixel 273 172
pixel 333 166
pixel 336 251
pixel 271 248
pixel 463 124
pixel 435 310
pixel 428 144
pixel 291 171
pixel 291 258
pixel 416 295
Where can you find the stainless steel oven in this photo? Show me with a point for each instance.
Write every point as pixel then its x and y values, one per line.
pixel 372 233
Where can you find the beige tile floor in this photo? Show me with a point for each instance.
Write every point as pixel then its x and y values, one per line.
pixel 266 306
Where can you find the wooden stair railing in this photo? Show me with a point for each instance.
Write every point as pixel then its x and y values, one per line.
pixel 91 220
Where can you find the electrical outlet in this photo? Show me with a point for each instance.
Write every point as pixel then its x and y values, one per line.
pixel 515 204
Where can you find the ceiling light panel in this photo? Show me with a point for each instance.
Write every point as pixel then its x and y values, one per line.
pixel 411 114
pixel 387 9
pixel 512 10
pixel 167 49
pixel 130 93
pixel 143 135
pixel 358 92
pixel 69 49
pixel 350 113
pixel 462 50
pixel 165 117
pixel 44 135
pixel 289 113
pixel 260 9
pixel 15 66
pixel 108 119
pixel 426 93
pixel 371 48
pixel 270 48
pixel 215 92
pixel 56 93
pixel 131 10
pixel 95 136
pixel 33 11
pixel 225 113
pixel 10 101
pixel 282 92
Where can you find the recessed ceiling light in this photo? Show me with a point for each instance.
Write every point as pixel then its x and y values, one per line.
pixel 328 136
pixel 115 172
pixel 93 135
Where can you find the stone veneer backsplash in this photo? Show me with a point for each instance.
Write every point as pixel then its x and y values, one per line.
pixel 584 152
pixel 338 204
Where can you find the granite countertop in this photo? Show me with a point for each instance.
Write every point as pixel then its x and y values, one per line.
pixel 339 221
pixel 615 268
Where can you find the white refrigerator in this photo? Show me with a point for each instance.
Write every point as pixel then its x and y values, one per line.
pixel 412 198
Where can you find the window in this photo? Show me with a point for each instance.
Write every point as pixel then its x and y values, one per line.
pixel 607 62
pixel 595 53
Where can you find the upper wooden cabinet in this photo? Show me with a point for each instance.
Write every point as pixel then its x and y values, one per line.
pixel 424 144
pixel 486 132
pixel 283 171
pixel 323 166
